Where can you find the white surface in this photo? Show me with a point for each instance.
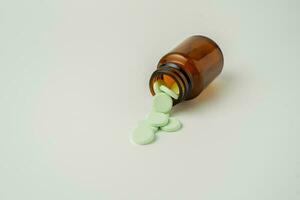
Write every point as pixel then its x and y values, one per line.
pixel 74 83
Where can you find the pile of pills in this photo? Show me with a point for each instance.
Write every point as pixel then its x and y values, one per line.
pixel 159 118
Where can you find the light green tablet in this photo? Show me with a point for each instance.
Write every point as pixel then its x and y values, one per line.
pixel 162 103
pixel 173 125
pixel 146 123
pixel 158 119
pixel 157 85
pixel 143 135
pixel 168 91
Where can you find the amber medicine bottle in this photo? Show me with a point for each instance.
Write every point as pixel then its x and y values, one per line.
pixel 192 65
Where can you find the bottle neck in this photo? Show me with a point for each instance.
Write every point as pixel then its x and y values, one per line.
pixel 177 74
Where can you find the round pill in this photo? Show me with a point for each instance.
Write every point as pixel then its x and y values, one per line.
pixel 156 86
pixel 168 91
pixel 146 123
pixel 143 135
pixel 158 119
pixel 173 125
pixel 162 103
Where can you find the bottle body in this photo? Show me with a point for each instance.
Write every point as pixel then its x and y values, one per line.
pixel 193 65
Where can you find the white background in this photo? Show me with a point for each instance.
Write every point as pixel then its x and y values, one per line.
pixel 74 82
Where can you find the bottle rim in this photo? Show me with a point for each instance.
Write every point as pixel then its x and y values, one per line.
pixel 174 71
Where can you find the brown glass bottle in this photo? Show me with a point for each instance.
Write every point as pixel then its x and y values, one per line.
pixel 192 65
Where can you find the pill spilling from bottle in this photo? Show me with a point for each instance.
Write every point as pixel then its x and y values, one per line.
pixel 181 75
pixel 159 118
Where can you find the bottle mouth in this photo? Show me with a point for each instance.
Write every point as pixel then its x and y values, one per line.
pixel 171 75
